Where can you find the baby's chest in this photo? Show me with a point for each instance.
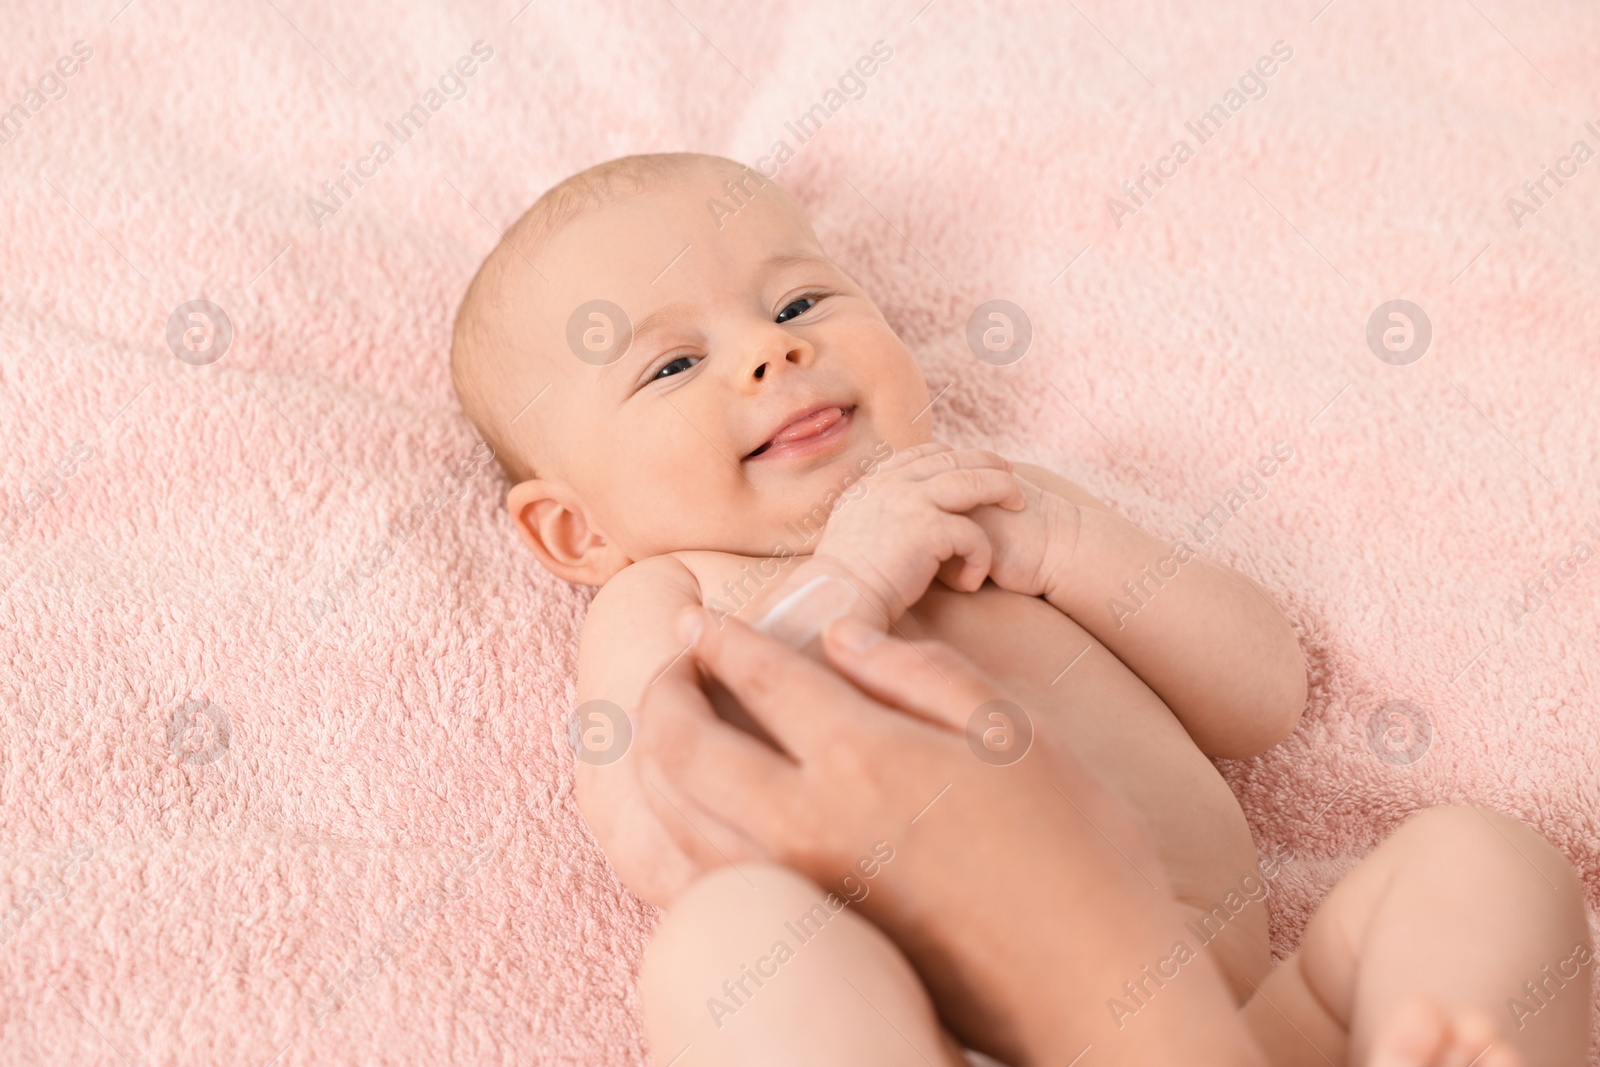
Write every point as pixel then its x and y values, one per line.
pixel 1060 674
pixel 1055 668
pixel 1071 683
pixel 1068 682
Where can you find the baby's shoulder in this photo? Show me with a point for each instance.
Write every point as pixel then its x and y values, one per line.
pixel 627 633
pixel 645 587
pixel 677 576
pixel 646 595
pixel 658 587
pixel 712 569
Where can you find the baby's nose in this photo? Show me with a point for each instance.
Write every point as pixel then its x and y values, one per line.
pixel 794 356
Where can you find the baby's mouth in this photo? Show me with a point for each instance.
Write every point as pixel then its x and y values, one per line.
pixel 807 433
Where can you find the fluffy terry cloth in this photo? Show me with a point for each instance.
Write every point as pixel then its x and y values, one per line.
pixel 283 701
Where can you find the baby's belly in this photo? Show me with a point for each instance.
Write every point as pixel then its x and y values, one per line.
pixel 1063 677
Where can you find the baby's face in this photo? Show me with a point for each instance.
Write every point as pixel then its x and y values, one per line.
pixel 759 376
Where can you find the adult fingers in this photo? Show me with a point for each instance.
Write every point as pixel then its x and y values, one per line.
pixel 926 678
pixel 798 701
pixel 699 834
pixel 712 785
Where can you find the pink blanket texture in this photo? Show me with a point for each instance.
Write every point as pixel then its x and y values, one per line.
pixel 284 703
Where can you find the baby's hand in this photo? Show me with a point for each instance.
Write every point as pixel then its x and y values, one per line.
pixel 1029 546
pixel 911 524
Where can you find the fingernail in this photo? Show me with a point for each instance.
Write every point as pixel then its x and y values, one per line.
pixel 856 635
pixel 691 624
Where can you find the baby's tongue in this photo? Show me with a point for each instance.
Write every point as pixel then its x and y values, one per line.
pixel 809 426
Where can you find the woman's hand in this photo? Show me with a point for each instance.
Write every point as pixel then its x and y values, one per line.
pixel 1023 891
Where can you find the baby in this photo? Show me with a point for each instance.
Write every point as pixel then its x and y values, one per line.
pixel 698 406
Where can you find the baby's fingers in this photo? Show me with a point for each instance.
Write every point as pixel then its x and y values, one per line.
pixel 906 457
pixel 959 491
pixel 954 459
pixel 969 545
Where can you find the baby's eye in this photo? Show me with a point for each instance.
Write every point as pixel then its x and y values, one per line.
pixel 677 366
pixel 809 302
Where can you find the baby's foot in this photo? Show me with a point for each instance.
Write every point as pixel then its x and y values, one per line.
pixel 1422 1034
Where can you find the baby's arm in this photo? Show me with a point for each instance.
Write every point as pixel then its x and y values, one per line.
pixel 1204 638
pixel 627 641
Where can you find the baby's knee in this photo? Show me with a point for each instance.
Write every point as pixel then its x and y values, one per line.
pixel 751 957
pixel 1464 827
pixel 1468 838
pixel 733 919
pixel 726 907
pixel 715 931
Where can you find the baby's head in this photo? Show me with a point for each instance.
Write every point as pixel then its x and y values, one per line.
pixel 746 380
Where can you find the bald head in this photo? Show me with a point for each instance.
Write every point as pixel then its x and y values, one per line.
pixel 494 365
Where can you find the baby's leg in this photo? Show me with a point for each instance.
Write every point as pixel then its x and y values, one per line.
pixel 752 965
pixel 1420 953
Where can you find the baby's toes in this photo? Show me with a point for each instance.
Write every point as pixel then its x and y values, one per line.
pixel 1420 1033
pixel 1417 1034
pixel 1477 1043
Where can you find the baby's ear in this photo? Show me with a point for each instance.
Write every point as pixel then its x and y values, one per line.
pixel 551 520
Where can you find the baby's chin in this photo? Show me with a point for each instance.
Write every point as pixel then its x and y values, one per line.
pixel 786 513
pixel 782 540
pixel 795 533
pixel 764 536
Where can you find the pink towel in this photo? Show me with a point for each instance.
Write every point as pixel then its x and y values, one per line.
pixel 284 702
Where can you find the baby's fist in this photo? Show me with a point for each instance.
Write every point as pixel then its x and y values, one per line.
pixel 911 524
pixel 1029 546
